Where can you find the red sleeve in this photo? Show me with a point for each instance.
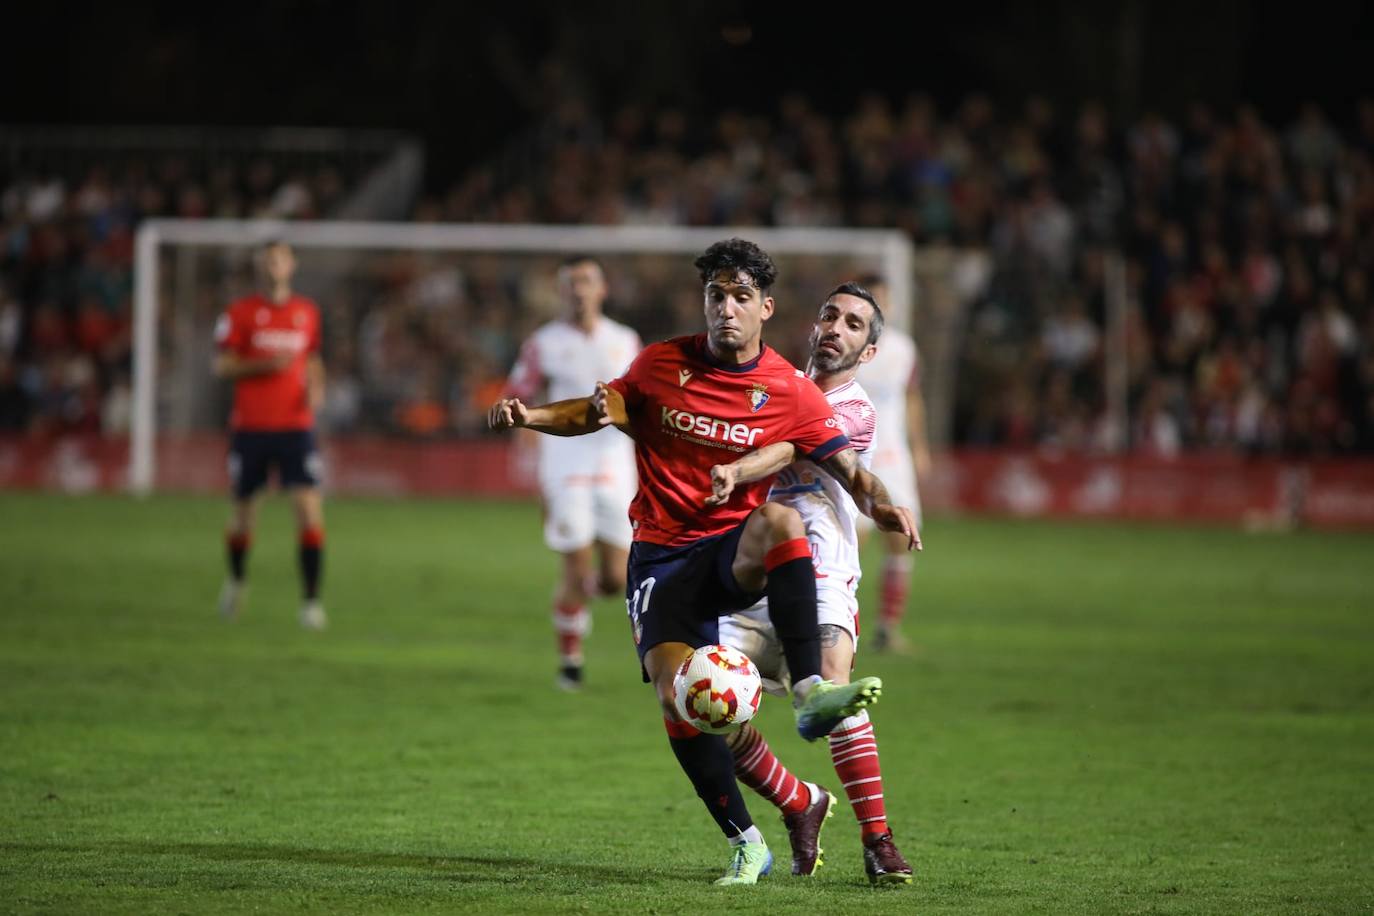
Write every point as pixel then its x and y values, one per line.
pixel 815 431
pixel 229 333
pixel 314 346
pixel 631 384
pixel 526 376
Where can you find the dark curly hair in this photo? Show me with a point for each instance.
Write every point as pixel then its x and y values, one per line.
pixel 738 256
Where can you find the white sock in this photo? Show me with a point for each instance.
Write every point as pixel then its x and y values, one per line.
pixel 751 835
pixel 813 793
pixel 801 688
pixel 858 720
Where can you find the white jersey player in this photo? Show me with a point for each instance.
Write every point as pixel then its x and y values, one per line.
pixel 844 337
pixel 889 378
pixel 900 457
pixel 831 520
pixel 587 482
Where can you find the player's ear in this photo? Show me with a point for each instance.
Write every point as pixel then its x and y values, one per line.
pixel 868 353
pixel 766 310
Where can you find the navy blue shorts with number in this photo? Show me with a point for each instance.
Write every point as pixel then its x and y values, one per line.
pixel 677 594
pixel 252 456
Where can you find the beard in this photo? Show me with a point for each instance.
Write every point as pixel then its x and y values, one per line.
pixel 829 361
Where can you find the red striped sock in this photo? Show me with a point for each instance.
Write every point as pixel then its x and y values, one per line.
pixel 854 750
pixel 570 622
pixel 757 768
pixel 896 581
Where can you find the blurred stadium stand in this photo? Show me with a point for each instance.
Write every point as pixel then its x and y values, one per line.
pixel 1243 324
pixel 70 200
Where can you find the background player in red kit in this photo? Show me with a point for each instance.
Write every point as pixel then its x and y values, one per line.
pixel 269 345
pixel 692 403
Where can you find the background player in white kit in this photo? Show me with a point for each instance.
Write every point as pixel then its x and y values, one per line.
pixel 587 482
pixel 901 457
pixel 844 337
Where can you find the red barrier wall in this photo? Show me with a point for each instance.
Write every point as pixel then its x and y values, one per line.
pixel 1324 494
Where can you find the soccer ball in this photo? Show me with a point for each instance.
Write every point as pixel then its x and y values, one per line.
pixel 717 689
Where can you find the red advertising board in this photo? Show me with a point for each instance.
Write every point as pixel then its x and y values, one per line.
pixel 1224 488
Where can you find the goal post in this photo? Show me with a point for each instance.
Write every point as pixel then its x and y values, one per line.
pixel 888 252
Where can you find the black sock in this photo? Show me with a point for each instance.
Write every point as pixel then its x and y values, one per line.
pixel 792 609
pixel 312 558
pixel 238 555
pixel 707 761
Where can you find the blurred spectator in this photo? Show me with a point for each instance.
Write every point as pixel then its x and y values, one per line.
pixel 66 269
pixel 1247 248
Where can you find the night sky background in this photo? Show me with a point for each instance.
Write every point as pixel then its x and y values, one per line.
pixel 467 77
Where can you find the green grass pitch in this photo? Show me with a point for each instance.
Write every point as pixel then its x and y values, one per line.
pixel 1097 719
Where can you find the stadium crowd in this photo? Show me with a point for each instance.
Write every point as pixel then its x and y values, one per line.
pixel 66 271
pixel 1247 250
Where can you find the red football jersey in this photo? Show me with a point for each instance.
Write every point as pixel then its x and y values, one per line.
pixel 689 412
pixel 255 327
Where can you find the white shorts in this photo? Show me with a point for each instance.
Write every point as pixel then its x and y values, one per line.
pixel 895 469
pixel 579 511
pixel 752 633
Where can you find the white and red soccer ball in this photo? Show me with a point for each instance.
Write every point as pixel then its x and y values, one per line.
pixel 717 689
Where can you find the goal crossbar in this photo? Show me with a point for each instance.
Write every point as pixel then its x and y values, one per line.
pixel 891 248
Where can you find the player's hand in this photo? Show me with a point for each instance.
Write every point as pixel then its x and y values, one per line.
pixel 608 405
pixel 900 519
pixel 723 477
pixel 279 361
pixel 508 413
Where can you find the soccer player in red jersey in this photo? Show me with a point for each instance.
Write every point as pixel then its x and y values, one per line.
pixel 690 403
pixel 269 345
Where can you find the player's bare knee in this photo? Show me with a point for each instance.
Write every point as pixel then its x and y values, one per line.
pixel 782 523
pixel 242 516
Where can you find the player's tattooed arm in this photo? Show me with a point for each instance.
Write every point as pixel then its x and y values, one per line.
pixel 871 496
pixel 756 465
pixel 573 417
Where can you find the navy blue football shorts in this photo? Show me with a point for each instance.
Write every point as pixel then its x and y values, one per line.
pixel 253 455
pixel 677 594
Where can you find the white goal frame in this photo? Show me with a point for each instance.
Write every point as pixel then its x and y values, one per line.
pixel 890 247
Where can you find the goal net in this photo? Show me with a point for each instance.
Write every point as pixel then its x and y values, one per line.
pixel 422 321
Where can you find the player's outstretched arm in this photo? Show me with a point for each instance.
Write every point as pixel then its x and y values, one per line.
pixel 573 417
pixel 609 406
pixel 871 496
pixel 756 465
